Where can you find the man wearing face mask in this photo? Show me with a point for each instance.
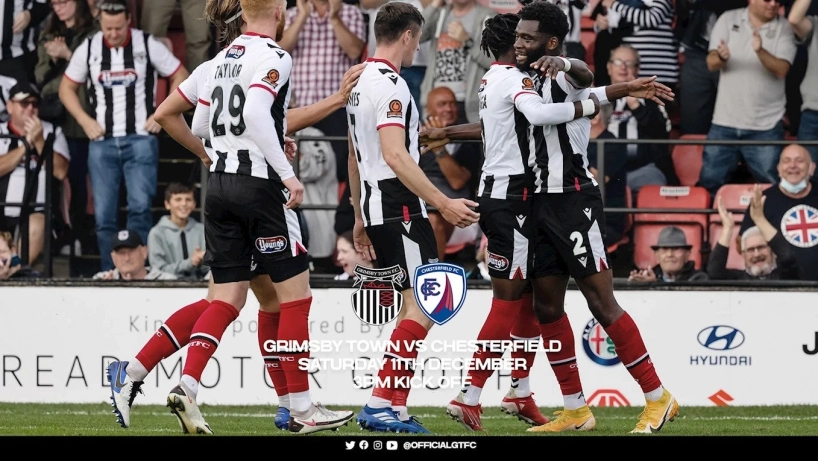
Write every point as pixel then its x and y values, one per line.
pixel 793 208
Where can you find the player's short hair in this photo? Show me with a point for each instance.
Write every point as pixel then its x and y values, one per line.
pixel 551 19
pixel 177 188
pixel 258 8
pixel 226 16
pixel 394 19
pixel 499 35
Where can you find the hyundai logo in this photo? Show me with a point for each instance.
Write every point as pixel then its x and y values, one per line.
pixel 721 338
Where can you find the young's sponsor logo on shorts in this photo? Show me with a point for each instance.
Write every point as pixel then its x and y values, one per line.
pixel 267 245
pixel 599 347
pixel 440 290
pixel 496 262
pixel 378 299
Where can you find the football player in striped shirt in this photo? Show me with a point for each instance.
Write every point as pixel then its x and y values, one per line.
pixel 175 332
pixel 509 105
pixel 568 215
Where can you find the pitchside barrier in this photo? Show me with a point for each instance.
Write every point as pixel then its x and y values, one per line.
pixel 711 345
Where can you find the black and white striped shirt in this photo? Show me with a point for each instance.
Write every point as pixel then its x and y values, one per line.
pixel 244 105
pixel 13 45
pixel 382 99
pixel 122 81
pixel 562 149
pixel 13 184
pixel 507 139
pixel 653 38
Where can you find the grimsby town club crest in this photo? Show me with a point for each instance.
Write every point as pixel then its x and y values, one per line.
pixel 440 290
pixel 377 301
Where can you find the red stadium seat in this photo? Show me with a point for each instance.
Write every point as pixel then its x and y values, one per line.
pixel 736 197
pixel 648 225
pixel 687 160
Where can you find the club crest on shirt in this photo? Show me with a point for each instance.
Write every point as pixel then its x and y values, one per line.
pixel 528 84
pixel 235 52
pixel 271 78
pixel 395 109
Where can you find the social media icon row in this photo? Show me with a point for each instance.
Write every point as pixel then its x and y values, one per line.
pixel 377 445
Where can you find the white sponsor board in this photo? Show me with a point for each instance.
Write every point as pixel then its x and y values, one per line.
pixel 55 343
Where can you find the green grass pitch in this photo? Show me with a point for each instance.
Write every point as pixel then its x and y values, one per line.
pixel 97 419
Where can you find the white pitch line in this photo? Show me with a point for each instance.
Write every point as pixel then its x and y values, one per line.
pixel 434 416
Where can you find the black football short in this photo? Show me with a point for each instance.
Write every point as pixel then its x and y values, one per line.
pixel 408 245
pixel 246 220
pixel 569 234
pixel 509 227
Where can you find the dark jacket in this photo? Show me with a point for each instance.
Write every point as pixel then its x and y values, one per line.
pixel 786 266
pixel 689 274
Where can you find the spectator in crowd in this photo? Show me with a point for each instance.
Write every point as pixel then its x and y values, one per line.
pixel 454 169
pixel 325 38
pixel 129 254
pixel 792 206
pixel 316 171
pixel 648 30
pixel 573 10
pixel 176 243
pixel 608 38
pixel 11 267
pixel 14 172
pixel 156 16
pixel 694 22
pixel 413 74
pixel 767 255
pixel 616 158
pixel 753 48
pixel 673 254
pixel 18 36
pixel 639 119
pixel 122 65
pixel 348 258
pixel 65 29
pixel 6 84
pixel 804 28
pixel 453 31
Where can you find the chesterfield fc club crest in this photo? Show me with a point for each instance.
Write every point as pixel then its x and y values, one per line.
pixel 377 301
pixel 440 290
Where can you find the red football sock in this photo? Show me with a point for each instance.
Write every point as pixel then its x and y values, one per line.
pixel 207 332
pixel 632 352
pixel 525 328
pixel 497 326
pixel 295 327
pixel 173 335
pixel 564 362
pixel 402 352
pixel 399 397
pixel 268 331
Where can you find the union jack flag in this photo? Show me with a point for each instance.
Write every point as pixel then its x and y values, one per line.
pixel 800 226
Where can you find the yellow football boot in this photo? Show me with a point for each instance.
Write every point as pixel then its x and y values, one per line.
pixel 656 414
pixel 580 419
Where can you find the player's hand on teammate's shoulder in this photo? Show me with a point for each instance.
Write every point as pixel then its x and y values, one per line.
pixel 460 212
pixel 549 66
pixel 350 79
pixel 296 192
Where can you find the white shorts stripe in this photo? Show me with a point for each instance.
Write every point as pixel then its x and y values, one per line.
pixel 411 251
pixel 293 229
pixel 520 257
pixel 597 246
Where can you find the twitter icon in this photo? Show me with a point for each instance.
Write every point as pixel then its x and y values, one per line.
pixel 350 445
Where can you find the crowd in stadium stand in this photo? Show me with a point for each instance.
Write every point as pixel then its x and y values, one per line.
pixel 742 70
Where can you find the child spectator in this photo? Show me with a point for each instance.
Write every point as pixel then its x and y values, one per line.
pixel 176 244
